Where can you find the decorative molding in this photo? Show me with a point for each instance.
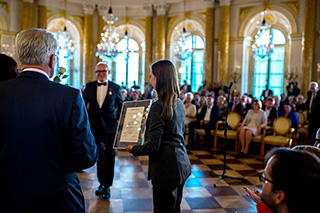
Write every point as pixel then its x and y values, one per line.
pixel 43 2
pixel 244 11
pixel 204 15
pixel 80 19
pixel 171 19
pixel 88 8
pixel 148 9
pixel 293 5
pixel 161 8
pixel 30 1
pixel 4 5
pixel 102 10
pixel 209 3
pixel 224 3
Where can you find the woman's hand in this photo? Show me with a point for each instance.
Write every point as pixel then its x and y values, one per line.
pixel 254 195
pixel 129 148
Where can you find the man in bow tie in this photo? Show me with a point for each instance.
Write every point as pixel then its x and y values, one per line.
pixel 103 100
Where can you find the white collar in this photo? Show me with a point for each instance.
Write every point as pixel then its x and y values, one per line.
pixel 36 70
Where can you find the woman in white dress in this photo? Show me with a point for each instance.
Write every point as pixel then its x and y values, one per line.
pixel 191 111
pixel 254 121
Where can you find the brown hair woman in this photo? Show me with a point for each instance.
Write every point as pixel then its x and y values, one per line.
pixel 169 165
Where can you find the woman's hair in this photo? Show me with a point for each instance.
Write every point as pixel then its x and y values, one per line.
pixel 258 102
pixel 189 95
pixel 167 85
pixel 8 68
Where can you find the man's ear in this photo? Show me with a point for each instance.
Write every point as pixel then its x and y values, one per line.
pixel 279 197
pixel 51 61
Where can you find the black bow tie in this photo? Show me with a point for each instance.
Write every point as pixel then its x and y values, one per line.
pixel 104 84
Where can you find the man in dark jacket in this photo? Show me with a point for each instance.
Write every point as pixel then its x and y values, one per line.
pixel 104 101
pixel 45 134
pixel 271 111
pixel 206 119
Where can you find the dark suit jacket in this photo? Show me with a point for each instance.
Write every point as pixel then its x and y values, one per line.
pixel 214 116
pixel 272 115
pixel 239 109
pixel 270 92
pixel 169 165
pixel 45 138
pixel 188 87
pixel 103 121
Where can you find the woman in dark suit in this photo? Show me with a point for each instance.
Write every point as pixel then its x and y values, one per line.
pixel 169 165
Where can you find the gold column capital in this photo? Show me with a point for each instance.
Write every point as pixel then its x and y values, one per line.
pixel 43 2
pixel 209 3
pixel 224 3
pixel 88 8
pixel 161 8
pixel 102 10
pixel 148 9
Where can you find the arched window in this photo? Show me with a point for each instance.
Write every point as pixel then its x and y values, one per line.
pixel 275 65
pixel 64 57
pixel 192 68
pixel 126 63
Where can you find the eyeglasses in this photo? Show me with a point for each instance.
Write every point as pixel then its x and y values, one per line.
pixel 101 71
pixel 263 179
pixel 56 57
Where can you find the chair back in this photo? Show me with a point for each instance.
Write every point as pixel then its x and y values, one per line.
pixel 281 126
pixel 233 119
pixel 302 118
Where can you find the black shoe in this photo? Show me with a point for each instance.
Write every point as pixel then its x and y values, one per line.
pixel 106 193
pixel 100 190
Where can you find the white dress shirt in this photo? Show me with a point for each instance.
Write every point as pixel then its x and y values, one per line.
pixel 101 93
pixel 36 70
pixel 208 114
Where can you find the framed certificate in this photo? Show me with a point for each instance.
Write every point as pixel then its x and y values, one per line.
pixel 132 124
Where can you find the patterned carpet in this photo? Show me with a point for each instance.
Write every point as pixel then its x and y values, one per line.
pixel 131 192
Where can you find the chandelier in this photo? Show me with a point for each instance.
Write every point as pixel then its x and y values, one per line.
pixel 65 41
pixel 263 45
pixel 107 48
pixel 181 51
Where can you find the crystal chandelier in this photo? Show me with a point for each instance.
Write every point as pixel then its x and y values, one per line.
pixel 181 51
pixel 263 49
pixel 64 38
pixel 107 48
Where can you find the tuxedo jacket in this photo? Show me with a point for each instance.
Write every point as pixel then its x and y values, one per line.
pixel 169 165
pixel 45 138
pixel 103 120
pixel 214 116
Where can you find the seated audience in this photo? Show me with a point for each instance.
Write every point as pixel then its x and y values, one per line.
pixel 196 100
pixel 8 68
pixel 317 139
pixel 223 108
pixel 124 95
pixel 203 89
pixel 191 111
pixel 185 87
pixel 236 106
pixel 252 125
pixel 285 168
pixel 202 103
pixel 292 115
pixel 223 87
pixel 271 111
pixel 214 89
pixel 134 95
pixel 182 96
pixel 300 103
pixel 147 93
pixel 207 120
